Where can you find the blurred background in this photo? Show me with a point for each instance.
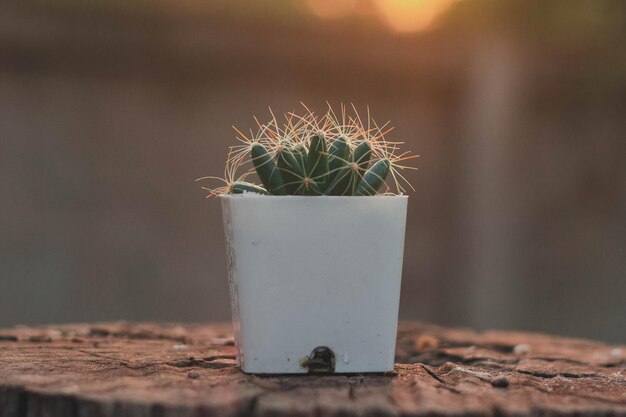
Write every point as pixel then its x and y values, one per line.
pixel 110 109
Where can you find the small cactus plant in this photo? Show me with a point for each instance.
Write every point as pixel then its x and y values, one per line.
pixel 336 155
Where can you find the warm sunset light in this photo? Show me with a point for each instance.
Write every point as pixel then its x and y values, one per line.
pixel 329 9
pixel 411 15
pixel 399 15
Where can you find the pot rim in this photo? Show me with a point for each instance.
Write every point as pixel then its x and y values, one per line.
pixel 252 195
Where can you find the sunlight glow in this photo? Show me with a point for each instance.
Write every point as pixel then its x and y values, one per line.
pixel 412 15
pixel 331 9
pixel 403 16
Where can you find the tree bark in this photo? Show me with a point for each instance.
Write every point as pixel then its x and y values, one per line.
pixel 132 370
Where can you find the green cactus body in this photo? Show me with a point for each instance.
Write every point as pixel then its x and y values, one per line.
pixel 317 161
pixel 239 187
pixel 362 155
pixel 301 155
pixel 267 170
pixel 309 187
pixel 290 170
pixel 340 168
pixel 343 183
pixel 338 154
pixel 374 178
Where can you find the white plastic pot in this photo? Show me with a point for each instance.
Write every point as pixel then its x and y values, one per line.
pixel 315 281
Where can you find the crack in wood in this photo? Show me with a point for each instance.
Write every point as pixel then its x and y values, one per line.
pixel 8 338
pixel 442 384
pixel 545 374
pixel 199 363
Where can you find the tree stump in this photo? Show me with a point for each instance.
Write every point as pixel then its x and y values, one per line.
pixel 125 370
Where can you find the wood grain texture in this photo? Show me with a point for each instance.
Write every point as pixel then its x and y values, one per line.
pixel 132 370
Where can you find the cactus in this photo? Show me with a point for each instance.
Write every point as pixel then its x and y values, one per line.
pixel 267 170
pixel 290 168
pixel 338 173
pixel 309 155
pixel 317 161
pixel 338 155
pixel 301 154
pixel 240 187
pixel 342 185
pixel 362 155
pixel 361 158
pixel 374 178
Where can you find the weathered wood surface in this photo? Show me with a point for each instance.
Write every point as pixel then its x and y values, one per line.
pixel 124 369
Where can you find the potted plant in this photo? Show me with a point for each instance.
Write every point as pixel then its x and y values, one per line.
pixel 315 250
